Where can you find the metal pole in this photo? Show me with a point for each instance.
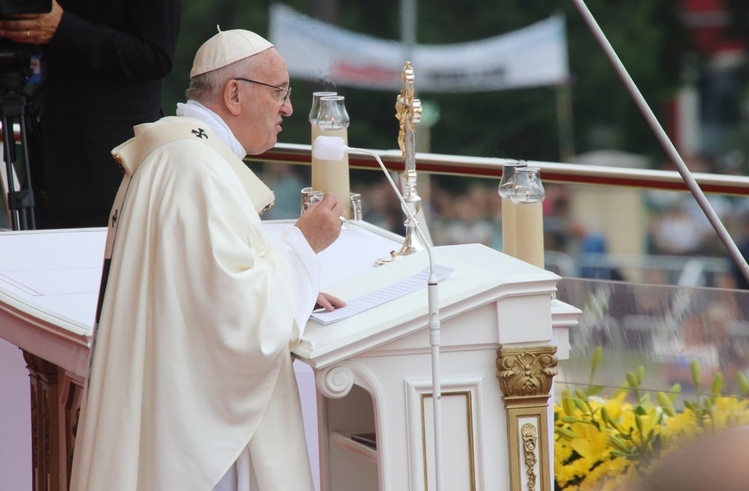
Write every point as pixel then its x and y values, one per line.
pixel 408 28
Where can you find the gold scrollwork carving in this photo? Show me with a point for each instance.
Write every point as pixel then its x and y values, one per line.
pixel 526 372
pixel 530 443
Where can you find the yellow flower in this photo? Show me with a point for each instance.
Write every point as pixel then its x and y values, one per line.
pixel 565 473
pixel 593 443
pixel 605 475
pixel 562 450
pixel 684 423
pixel 616 405
pixel 606 444
pixel 729 412
pixel 641 425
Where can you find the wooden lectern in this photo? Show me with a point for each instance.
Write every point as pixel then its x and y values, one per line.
pixel 502 332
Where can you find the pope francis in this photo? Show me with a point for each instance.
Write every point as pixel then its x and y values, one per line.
pixel 191 385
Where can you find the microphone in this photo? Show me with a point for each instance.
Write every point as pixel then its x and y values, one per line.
pixel 333 148
pixel 328 148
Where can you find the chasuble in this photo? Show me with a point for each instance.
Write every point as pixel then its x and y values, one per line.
pixel 191 363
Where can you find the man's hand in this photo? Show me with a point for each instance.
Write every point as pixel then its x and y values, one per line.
pixel 321 223
pixel 328 302
pixel 32 28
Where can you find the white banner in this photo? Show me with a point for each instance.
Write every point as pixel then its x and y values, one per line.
pixel 314 50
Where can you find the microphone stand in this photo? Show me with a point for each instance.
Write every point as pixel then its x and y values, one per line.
pixel 332 148
pixel 434 322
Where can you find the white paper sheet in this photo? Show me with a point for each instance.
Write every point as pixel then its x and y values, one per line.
pixel 381 296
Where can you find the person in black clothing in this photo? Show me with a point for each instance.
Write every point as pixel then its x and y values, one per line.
pixel 103 68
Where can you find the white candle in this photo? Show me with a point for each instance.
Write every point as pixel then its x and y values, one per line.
pixel 529 232
pixel 508 227
pixel 332 176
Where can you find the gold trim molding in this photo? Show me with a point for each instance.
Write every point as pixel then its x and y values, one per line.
pixel 525 377
pixel 530 443
pixel 524 372
pixel 469 434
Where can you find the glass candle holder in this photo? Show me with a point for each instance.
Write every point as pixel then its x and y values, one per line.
pixel 315 107
pixel 508 177
pixel 332 114
pixel 314 111
pixel 508 207
pixel 527 187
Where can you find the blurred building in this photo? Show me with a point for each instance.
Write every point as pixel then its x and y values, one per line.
pixel 710 115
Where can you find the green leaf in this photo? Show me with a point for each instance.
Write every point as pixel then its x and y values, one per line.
pixel 594 390
pixel 716 388
pixel 566 433
pixel 743 383
pixel 628 455
pixel 609 420
pixel 632 380
pixel 597 355
pixel 619 444
pixel 644 400
pixel 666 403
pixel 580 405
pixel 567 404
pixel 696 374
pixel 605 415
pixel 674 392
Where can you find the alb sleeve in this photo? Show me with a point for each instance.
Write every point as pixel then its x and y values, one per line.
pixel 305 273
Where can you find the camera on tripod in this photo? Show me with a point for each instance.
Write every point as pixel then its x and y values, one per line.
pixel 9 8
pixel 15 68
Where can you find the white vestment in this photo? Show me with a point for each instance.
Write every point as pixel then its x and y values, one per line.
pixel 191 362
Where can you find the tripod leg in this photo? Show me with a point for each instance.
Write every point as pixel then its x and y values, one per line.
pixel 5 222
pixel 21 196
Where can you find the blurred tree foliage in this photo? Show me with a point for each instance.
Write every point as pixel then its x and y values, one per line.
pixel 520 123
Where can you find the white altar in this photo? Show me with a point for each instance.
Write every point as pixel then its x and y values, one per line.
pixel 372 370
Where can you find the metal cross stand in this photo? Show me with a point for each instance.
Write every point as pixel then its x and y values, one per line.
pixel 408 114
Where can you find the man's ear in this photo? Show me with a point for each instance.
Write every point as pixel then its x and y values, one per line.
pixel 233 97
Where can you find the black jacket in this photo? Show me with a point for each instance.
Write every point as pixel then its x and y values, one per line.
pixel 103 73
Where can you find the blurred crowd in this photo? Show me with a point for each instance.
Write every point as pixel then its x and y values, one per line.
pixel 469 210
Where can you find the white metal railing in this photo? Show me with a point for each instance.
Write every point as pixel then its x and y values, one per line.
pixel 559 172
pixel 679 270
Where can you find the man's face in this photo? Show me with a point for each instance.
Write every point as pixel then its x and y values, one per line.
pixel 263 107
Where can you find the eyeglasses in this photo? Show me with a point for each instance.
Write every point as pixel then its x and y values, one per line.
pixel 285 90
